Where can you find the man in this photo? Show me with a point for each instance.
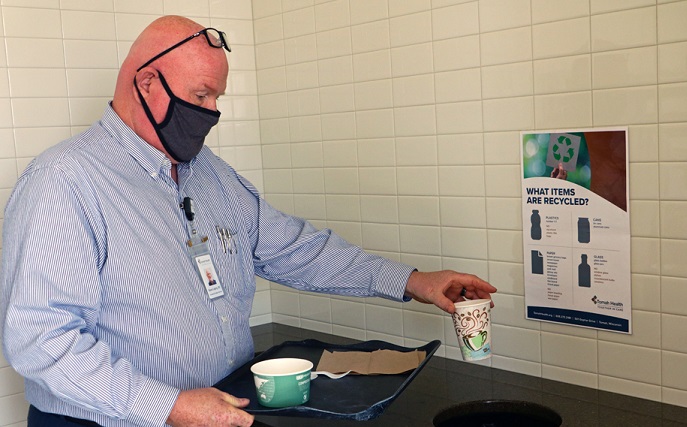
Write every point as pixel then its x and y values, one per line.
pixel 135 200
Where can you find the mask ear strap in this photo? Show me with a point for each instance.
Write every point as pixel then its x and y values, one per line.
pixel 149 114
pixel 164 83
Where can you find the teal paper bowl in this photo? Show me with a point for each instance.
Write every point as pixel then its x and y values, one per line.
pixel 280 383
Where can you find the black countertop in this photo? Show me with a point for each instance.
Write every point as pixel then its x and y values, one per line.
pixel 444 382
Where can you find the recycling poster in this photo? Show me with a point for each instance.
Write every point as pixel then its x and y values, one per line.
pixel 576 228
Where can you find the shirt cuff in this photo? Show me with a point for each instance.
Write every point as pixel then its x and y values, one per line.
pixel 153 404
pixel 392 281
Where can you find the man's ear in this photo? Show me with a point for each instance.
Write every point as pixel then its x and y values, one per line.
pixel 142 82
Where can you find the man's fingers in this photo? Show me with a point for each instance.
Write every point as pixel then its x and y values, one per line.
pixel 446 305
pixel 238 417
pixel 481 285
pixel 235 401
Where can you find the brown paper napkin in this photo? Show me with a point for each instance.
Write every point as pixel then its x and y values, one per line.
pixel 370 363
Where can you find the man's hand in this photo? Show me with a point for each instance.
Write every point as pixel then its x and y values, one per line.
pixel 209 407
pixel 443 288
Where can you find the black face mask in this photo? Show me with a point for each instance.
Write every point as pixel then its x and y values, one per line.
pixel 183 130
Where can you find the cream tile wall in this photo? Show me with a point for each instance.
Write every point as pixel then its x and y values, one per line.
pixel 396 123
pixel 58 65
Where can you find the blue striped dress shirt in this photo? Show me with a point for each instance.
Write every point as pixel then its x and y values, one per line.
pixel 104 312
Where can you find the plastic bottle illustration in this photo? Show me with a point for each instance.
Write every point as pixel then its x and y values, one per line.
pixel 535 230
pixel 584 276
pixel 583 230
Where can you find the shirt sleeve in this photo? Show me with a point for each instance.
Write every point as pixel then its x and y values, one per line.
pixel 290 251
pixel 54 248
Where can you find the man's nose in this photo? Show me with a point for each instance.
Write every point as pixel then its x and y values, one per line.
pixel 212 103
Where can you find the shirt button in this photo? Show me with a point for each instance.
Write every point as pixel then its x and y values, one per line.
pixel 154 174
pixel 224 319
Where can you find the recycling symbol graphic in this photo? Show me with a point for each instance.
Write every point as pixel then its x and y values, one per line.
pixel 562 149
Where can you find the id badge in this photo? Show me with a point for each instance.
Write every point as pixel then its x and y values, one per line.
pixel 198 246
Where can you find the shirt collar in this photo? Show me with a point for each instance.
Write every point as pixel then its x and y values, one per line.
pixel 150 158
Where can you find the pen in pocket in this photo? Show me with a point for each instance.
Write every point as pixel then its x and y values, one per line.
pixel 226 238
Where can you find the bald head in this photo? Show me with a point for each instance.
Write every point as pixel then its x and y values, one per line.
pixel 161 34
pixel 193 64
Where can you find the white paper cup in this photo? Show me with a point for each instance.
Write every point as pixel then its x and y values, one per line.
pixel 472 321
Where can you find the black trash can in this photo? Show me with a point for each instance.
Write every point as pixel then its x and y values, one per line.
pixel 498 413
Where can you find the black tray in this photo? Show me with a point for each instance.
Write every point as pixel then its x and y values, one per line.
pixel 356 397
